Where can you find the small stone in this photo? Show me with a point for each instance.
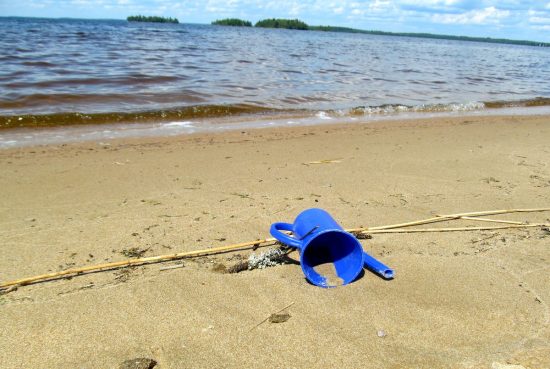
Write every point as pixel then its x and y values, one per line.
pixel 279 318
pixel 381 333
pixel 138 363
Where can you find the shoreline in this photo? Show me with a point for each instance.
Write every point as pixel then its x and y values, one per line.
pixel 58 135
pixel 472 300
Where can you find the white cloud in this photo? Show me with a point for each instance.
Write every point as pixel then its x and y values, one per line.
pixel 379 5
pixel 430 2
pixel 489 15
pixel 539 20
pixel 295 9
pixel 216 6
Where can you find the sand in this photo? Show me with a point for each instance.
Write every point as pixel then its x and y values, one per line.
pixel 459 300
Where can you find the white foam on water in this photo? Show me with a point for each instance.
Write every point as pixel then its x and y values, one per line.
pixel 422 108
pixel 178 124
pixel 323 115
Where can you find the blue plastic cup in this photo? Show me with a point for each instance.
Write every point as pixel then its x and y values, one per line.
pixel 322 241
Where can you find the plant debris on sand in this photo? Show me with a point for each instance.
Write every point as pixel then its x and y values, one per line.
pixel 279 318
pixel 138 363
pixel 134 252
pixel 269 258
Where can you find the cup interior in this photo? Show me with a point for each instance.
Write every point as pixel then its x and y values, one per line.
pixel 332 258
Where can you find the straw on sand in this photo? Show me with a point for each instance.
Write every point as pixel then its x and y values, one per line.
pixel 392 228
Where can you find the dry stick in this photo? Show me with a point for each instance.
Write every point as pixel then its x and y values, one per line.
pixel 401 225
pixel 140 261
pixel 423 230
pixel 443 218
pixel 188 254
pixel 493 220
pixel 494 212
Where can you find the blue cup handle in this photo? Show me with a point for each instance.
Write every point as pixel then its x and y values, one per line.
pixel 276 229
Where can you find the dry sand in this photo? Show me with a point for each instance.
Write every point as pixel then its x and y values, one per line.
pixel 459 300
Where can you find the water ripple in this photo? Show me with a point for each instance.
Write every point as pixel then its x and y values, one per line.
pixel 99 67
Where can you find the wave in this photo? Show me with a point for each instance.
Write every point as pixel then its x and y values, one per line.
pixel 424 108
pixel 539 101
pixel 202 112
pixel 391 109
pixel 181 114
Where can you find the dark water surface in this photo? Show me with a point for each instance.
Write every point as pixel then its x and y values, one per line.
pixel 62 72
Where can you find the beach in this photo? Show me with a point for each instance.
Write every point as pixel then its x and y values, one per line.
pixel 476 299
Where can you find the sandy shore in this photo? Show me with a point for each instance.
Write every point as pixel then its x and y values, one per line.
pixel 459 300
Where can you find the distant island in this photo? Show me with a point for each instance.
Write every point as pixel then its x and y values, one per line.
pixel 430 35
pixel 282 23
pixel 234 22
pixel 153 19
pixel 300 25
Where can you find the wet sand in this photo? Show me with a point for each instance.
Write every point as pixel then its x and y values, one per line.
pixel 459 300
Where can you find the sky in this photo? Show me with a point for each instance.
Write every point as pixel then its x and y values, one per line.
pixel 514 19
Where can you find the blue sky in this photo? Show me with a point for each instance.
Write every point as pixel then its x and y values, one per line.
pixel 514 19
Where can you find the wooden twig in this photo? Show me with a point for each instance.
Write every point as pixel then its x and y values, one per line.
pixel 493 220
pixel 495 212
pixel 134 262
pixel 325 161
pixel 169 267
pixel 401 225
pixel 425 230
pixel 444 218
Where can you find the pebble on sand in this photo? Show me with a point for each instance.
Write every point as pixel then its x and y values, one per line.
pixel 138 363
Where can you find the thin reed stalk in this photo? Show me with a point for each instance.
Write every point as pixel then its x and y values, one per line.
pixel 456 229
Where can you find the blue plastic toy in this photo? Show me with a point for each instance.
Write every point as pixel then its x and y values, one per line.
pixel 321 240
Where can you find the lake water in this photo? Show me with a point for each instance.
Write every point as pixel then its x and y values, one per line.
pixel 74 72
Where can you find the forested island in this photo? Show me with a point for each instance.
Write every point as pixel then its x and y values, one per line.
pixel 282 23
pixel 430 35
pixel 154 19
pixel 235 22
pixel 264 23
pixel 300 25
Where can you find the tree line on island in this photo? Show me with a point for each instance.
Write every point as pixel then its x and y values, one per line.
pixel 264 23
pixel 153 19
pixel 299 25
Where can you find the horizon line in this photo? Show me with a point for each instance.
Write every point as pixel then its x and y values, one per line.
pixel 365 31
